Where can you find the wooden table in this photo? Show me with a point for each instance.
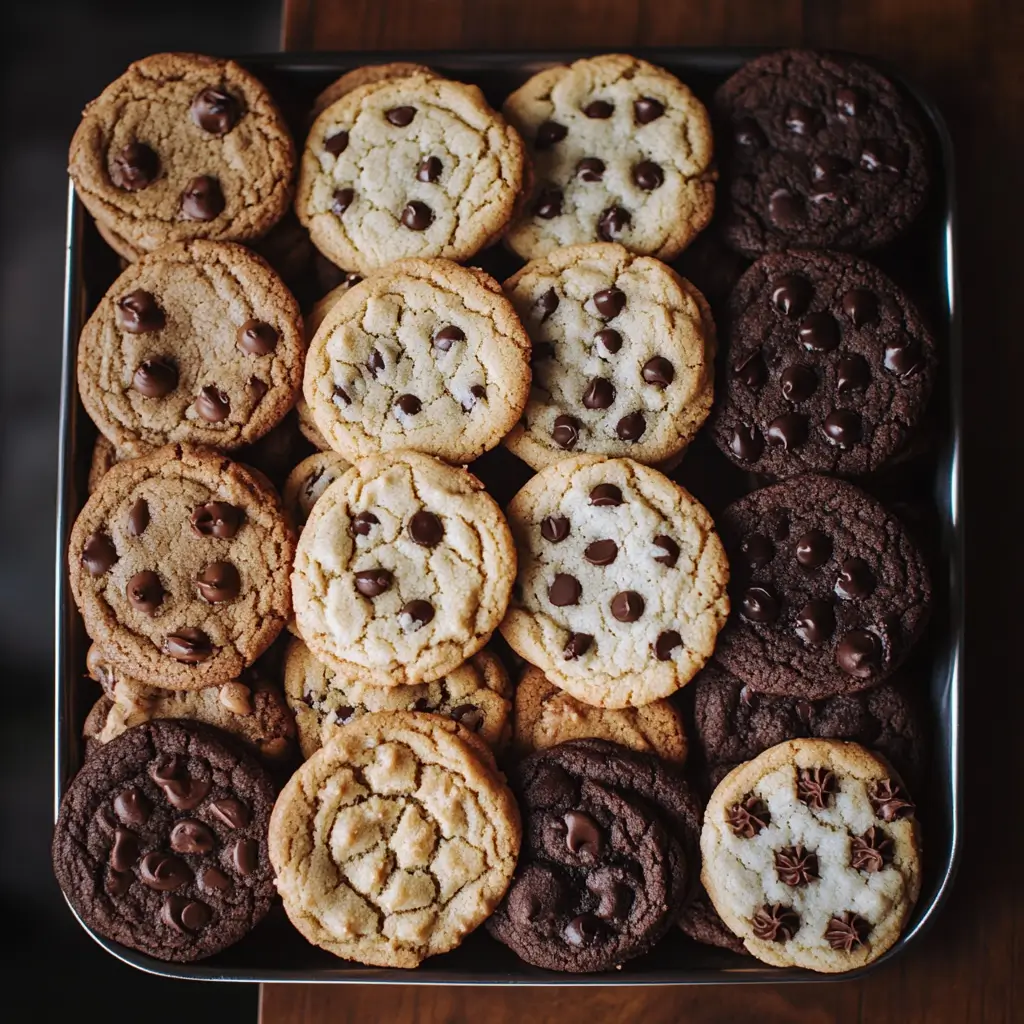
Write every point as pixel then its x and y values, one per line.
pixel 969 55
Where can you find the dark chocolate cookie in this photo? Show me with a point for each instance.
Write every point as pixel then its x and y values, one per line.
pixel 608 856
pixel 161 842
pixel 829 592
pixel 701 922
pixel 827 367
pixel 819 151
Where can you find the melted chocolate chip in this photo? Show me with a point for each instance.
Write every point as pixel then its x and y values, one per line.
pixel 852 374
pixel 813 549
pixel 132 807
pixel 184 915
pixel 850 103
pixel 549 133
pixel 145 592
pixel 342 200
pixel 363 522
pixel 426 529
pixel 583 835
pixel 609 303
pixel 576 646
pixel 670 551
pixel 337 143
pixel 791 294
pixel 447 336
pixel 815 622
pixel 903 356
pixel 219 582
pixel 429 169
pixel 648 175
pixel 163 872
pixel 608 340
pixel 647 109
pixel 212 404
pixel 590 169
pixel 565 590
pixel 549 203
pixel 215 110
pixel 98 554
pixel 230 811
pixel 605 495
pixel 400 117
pixel 878 156
pixel 547 304
pixel 216 519
pixel 190 836
pixel 658 371
pixel 566 432
pixel 861 306
pixel 786 209
pixel 666 643
pixel 135 167
pixel 202 199
pixel 600 109
pixel 819 332
pixel 752 371
pixel 582 929
pixel 758 550
pixel 601 552
pixel 408 404
pixel 788 430
pixel 373 582
pixel 138 313
pixel 554 529
pixel 155 378
pixel 843 427
pixel 748 135
pixel 802 120
pixel 599 394
pixel 188 645
pixel 631 427
pixel 759 604
pixel 612 222
pixel 859 654
pixel 627 606
pixel 125 851
pixel 256 338
pixel 245 855
pixel 855 580
pixel 798 382
pixel 417 216
pixel 138 518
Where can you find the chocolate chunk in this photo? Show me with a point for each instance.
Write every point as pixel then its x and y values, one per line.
pixel 138 313
pixel 342 200
pixel 400 117
pixel 658 371
pixel 601 552
pixel 373 582
pixel 155 378
pixel 257 338
pixel 337 143
pixel 549 133
pixel 145 592
pixel 590 168
pixel 98 554
pixel 188 645
pixel 631 427
pixel 554 528
pixel 216 519
pixel 605 495
pixel 647 109
pixel 213 405
pixel 134 167
pixel 599 394
pixel 627 606
pixel 219 582
pixel 417 216
pixel 566 432
pixel 666 643
pixel 409 404
pixel 612 222
pixel 577 645
pixel 426 529
pixel 215 110
pixel 670 551
pixel 759 604
pixel 202 199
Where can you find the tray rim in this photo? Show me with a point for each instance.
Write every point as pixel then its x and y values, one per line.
pixel 949 497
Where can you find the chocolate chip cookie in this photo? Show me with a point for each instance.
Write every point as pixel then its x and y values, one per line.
pixel 609 856
pixel 403 571
pixel 199 342
pixel 179 565
pixel 408 166
pixel 425 355
pixel 546 716
pixel 830 593
pixel 828 367
pixel 701 922
pixel 819 151
pixel 366 75
pixel 394 840
pixel 621 152
pixel 811 855
pixel 477 695
pixel 622 580
pixel 307 481
pixel 104 455
pixel 623 356
pixel 161 842
pixel 183 146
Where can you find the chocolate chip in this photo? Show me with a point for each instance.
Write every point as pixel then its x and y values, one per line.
pixel 183 792
pixel 647 109
pixel 631 427
pixel 362 522
pixel 903 356
pixel 373 582
pixel 375 363
pixel 163 872
pixel 861 306
pixel 213 404
pixel 610 341
pixel 666 643
pixel 138 518
pixel 627 606
pixel 135 167
pixel 230 812
pixel 408 404
pixel 244 856
pixel 843 427
pixel 215 110
pixel 429 169
pixel 815 622
pixel 648 175
pixel 145 592
pixel 813 549
pixel 576 646
pixel 565 590
pixel 658 371
pixel 609 303
pixel 155 378
pixel 859 654
pixel 554 529
pixel 125 851
pixel 802 120
pixel 759 604
pixel 612 222
pixel 184 915
pixel 213 879
pixel 426 529
pixel 256 337
pixel 747 134
pixel 584 928
pixel 547 304
pixel 191 836
pixel 477 393
pixel 819 332
pixel 468 715
pixel 447 336
pixel 549 203
pixel 98 554
pixel 880 156
pixel 340 392
pixel 798 382
pixel 788 430
pixel 616 897
pixel 852 374
pixel 791 294
pixel 337 143
pixel 751 371
pixel 549 133
pixel 400 117
pixel 600 109
pixel 133 807
pixel 758 550
pixel 138 313
pixel 416 614
pixel 601 552
pixel 202 199
pixel 219 582
pixel 342 200
pixel 605 495
pixel 747 443
pixel 855 580
pixel 786 209
pixel 216 519
pixel 850 103
pixel 599 394
pixel 188 645
pixel 590 168
pixel 566 432
pixel 417 216
pixel 582 835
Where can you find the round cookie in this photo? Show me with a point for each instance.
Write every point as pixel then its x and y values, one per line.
pixel 183 146
pixel 394 840
pixel 608 856
pixel 830 593
pixel 829 367
pixel 414 166
pixel 622 581
pixel 621 152
pixel 403 571
pixel 179 565
pixel 425 355
pixel 476 695
pixel 369 74
pixel 199 342
pixel 161 843
pixel 811 855
pixel 104 456
pixel 308 481
pixel 819 152
pixel 622 357
pixel 546 716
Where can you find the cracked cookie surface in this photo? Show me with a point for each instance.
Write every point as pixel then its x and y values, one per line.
pixel 425 355
pixel 408 166
pixel 183 146
pixel 394 840
pixel 477 695
pixel 622 356
pixel 199 342
pixel 179 565
pixel 811 855
pixel 403 570
pixel 368 74
pixel 622 580
pixel 621 152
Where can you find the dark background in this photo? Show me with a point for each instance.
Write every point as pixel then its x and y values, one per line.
pixel 58 55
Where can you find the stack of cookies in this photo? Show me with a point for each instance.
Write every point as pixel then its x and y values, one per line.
pixel 358 635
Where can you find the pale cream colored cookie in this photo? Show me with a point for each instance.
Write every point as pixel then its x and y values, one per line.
pixel 622 580
pixel 367 75
pixel 308 481
pixel 546 716
pixel 403 570
pixel 812 856
pixel 394 840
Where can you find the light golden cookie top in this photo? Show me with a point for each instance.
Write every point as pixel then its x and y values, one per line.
pixel 394 840
pixel 367 75
pixel 409 166
pixel 308 481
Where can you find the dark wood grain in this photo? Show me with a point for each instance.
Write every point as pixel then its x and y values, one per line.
pixel 968 54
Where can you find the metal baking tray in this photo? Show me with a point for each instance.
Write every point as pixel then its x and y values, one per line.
pixel 927 489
